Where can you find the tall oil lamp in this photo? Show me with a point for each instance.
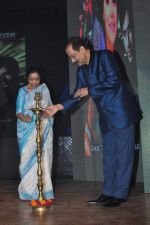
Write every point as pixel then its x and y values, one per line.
pixel 41 202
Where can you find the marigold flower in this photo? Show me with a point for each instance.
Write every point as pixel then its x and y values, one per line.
pixel 33 203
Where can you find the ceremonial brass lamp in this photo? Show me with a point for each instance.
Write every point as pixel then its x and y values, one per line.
pixel 41 203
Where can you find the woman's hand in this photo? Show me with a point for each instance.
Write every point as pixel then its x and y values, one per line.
pixel 24 118
pixel 82 92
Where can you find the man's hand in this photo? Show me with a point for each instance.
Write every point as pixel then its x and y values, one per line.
pixel 52 110
pixel 82 92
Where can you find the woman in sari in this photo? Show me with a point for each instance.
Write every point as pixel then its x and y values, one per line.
pixel 26 134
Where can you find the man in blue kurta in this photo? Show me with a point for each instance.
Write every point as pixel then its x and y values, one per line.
pixel 99 76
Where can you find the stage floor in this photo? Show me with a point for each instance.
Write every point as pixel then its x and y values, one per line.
pixel 71 207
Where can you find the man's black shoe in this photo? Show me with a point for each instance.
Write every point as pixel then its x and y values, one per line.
pixel 99 201
pixel 114 202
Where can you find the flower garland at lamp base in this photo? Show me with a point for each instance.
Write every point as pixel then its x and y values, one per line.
pixel 41 203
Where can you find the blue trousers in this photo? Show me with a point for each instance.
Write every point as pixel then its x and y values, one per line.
pixel 118 153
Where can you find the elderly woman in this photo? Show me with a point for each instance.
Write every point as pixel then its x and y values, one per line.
pixel 26 134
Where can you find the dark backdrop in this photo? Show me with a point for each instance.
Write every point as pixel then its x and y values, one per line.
pixel 44 26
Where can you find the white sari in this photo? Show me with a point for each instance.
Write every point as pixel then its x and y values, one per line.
pixel 26 133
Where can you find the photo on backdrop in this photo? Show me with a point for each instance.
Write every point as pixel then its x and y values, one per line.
pixel 12 76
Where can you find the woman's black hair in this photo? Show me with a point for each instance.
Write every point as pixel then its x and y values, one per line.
pixel 32 70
